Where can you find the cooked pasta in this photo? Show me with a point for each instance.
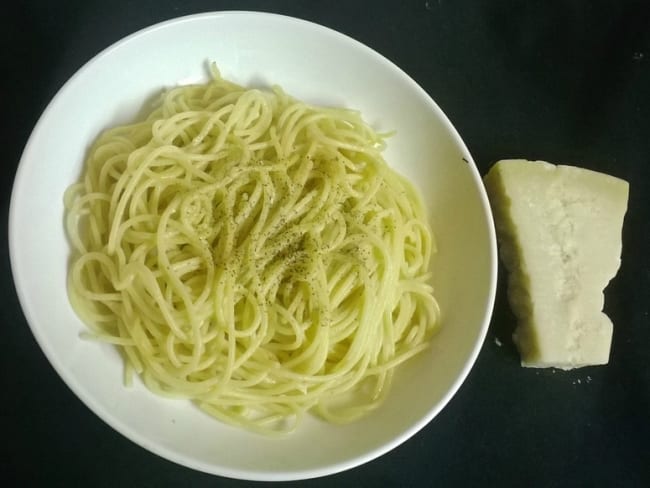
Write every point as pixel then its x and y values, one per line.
pixel 252 253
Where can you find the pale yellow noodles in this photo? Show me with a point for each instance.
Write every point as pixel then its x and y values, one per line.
pixel 252 253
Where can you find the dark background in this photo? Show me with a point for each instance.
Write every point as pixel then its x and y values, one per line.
pixel 563 81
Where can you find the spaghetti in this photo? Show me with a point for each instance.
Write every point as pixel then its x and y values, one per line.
pixel 252 253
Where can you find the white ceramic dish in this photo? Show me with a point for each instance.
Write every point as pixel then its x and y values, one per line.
pixel 320 66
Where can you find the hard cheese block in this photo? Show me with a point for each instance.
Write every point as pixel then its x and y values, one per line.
pixel 559 231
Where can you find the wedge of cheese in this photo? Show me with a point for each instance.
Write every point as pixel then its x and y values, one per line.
pixel 559 231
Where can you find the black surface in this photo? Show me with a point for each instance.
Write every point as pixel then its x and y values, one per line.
pixel 563 81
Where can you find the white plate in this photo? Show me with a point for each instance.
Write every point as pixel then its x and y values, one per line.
pixel 320 66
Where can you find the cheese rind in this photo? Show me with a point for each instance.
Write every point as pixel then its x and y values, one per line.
pixel 559 230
